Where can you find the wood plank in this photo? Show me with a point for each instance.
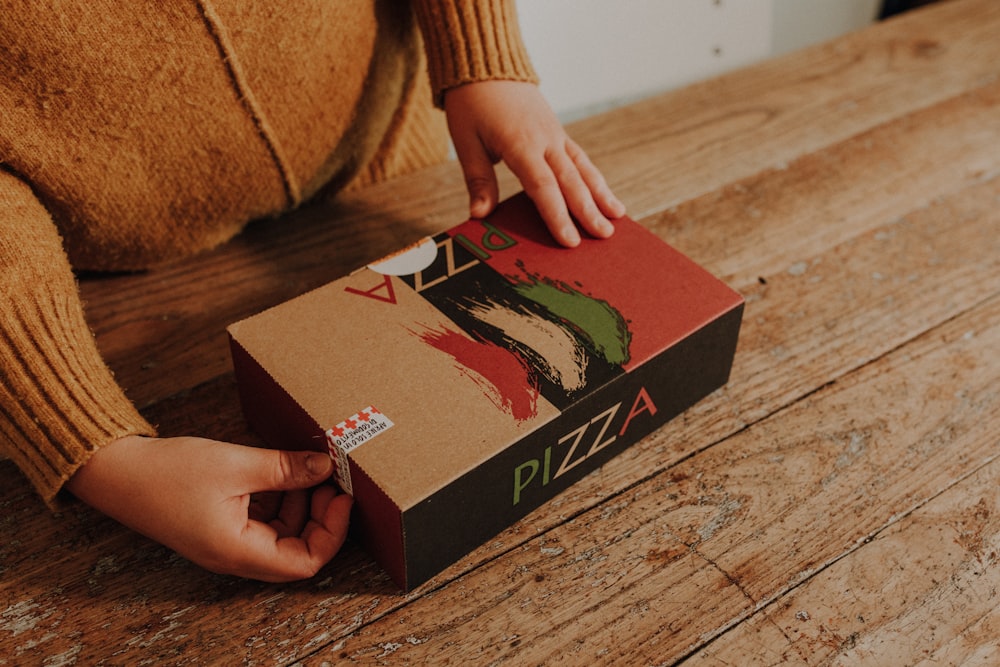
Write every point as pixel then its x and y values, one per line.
pixel 162 332
pixel 823 198
pixel 840 297
pixel 825 327
pixel 923 591
pixel 767 510
pixel 818 329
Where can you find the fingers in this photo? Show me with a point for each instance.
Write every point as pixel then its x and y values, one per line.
pixel 292 514
pixel 542 185
pixel 565 185
pixel 480 177
pixel 309 528
pixel 294 525
pixel 321 539
pixel 265 506
pixel 327 531
pixel 268 555
pixel 609 205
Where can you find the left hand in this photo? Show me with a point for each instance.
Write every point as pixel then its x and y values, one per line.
pixel 511 121
pixel 258 513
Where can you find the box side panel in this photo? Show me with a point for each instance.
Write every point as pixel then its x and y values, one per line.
pixel 376 523
pixel 283 424
pixel 269 410
pixel 502 490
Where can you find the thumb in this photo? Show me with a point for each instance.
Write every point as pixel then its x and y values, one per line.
pixel 278 470
pixel 480 178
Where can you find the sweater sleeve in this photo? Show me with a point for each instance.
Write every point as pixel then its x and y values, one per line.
pixel 58 400
pixel 472 40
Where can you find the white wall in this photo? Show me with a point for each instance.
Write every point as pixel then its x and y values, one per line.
pixel 799 23
pixel 595 54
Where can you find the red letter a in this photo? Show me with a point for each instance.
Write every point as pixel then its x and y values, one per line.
pixel 386 284
pixel 643 403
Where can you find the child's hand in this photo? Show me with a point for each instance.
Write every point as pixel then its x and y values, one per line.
pixel 194 496
pixel 511 121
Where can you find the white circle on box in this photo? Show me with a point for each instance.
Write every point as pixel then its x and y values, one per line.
pixel 416 257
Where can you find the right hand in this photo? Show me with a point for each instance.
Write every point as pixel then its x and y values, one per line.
pixel 510 121
pixel 194 496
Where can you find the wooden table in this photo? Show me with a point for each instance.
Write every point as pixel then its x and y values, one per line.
pixel 837 502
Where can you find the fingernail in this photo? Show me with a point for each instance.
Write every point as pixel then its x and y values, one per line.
pixel 477 209
pixel 318 464
pixel 618 206
pixel 571 237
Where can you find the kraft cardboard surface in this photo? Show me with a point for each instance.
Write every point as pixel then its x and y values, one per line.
pixel 338 352
pixel 463 381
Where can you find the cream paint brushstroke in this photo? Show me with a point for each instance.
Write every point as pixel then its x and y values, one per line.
pixel 563 359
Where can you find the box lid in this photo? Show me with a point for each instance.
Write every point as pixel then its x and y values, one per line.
pixel 496 332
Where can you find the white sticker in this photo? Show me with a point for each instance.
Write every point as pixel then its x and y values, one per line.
pixel 349 435
pixel 411 259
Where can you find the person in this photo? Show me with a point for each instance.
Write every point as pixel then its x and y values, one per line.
pixel 133 135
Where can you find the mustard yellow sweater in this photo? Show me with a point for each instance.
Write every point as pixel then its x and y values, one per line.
pixel 136 133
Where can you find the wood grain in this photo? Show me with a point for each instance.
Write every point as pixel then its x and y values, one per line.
pixel 922 591
pixel 851 193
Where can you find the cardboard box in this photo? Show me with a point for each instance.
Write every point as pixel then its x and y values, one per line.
pixel 463 382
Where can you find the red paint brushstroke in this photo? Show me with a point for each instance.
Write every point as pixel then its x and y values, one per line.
pixel 506 374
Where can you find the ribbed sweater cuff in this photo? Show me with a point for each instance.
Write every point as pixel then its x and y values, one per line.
pixel 58 400
pixel 472 40
pixel 61 402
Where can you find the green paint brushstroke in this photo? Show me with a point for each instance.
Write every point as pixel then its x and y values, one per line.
pixel 598 323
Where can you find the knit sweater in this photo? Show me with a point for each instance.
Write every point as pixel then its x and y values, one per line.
pixel 132 134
